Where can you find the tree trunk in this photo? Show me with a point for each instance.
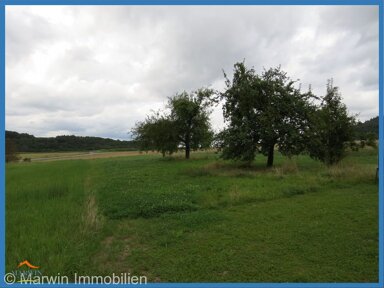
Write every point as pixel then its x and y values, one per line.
pixel 187 151
pixel 270 155
pixel 187 145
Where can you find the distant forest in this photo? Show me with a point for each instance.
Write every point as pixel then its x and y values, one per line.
pixel 28 143
pixel 370 126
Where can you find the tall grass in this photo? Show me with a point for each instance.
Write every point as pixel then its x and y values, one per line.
pixel 44 216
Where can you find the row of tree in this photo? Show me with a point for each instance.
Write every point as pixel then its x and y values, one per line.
pixel 28 143
pixel 262 112
pixel 23 142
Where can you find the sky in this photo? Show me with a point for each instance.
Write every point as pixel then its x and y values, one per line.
pixel 97 70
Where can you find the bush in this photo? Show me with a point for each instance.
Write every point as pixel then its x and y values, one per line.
pixel 371 140
pixel 353 146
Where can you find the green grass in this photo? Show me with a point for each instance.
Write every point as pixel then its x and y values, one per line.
pixel 198 220
pixel 44 208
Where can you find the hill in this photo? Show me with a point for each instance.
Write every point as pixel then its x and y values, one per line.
pixel 29 143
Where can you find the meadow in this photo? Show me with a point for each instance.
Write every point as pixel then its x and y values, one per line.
pixel 197 220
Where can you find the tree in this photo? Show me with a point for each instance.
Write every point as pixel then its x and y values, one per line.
pixel 190 117
pixel 240 139
pixel 185 126
pixel 285 115
pixel 156 133
pixel 332 129
pixel 262 112
pixel 11 153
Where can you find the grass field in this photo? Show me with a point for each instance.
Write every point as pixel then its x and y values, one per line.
pixel 200 220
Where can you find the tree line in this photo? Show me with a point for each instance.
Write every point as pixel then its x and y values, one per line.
pixel 263 113
pixel 28 143
pixel 368 129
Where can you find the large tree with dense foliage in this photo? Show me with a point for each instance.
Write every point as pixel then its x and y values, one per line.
pixel 240 139
pixel 332 129
pixel 284 115
pixel 263 112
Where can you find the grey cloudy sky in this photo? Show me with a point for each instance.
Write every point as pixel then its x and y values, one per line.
pixel 95 71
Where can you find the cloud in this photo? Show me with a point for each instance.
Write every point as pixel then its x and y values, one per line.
pixel 96 70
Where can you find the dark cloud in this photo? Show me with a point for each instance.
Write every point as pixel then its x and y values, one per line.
pixel 97 70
